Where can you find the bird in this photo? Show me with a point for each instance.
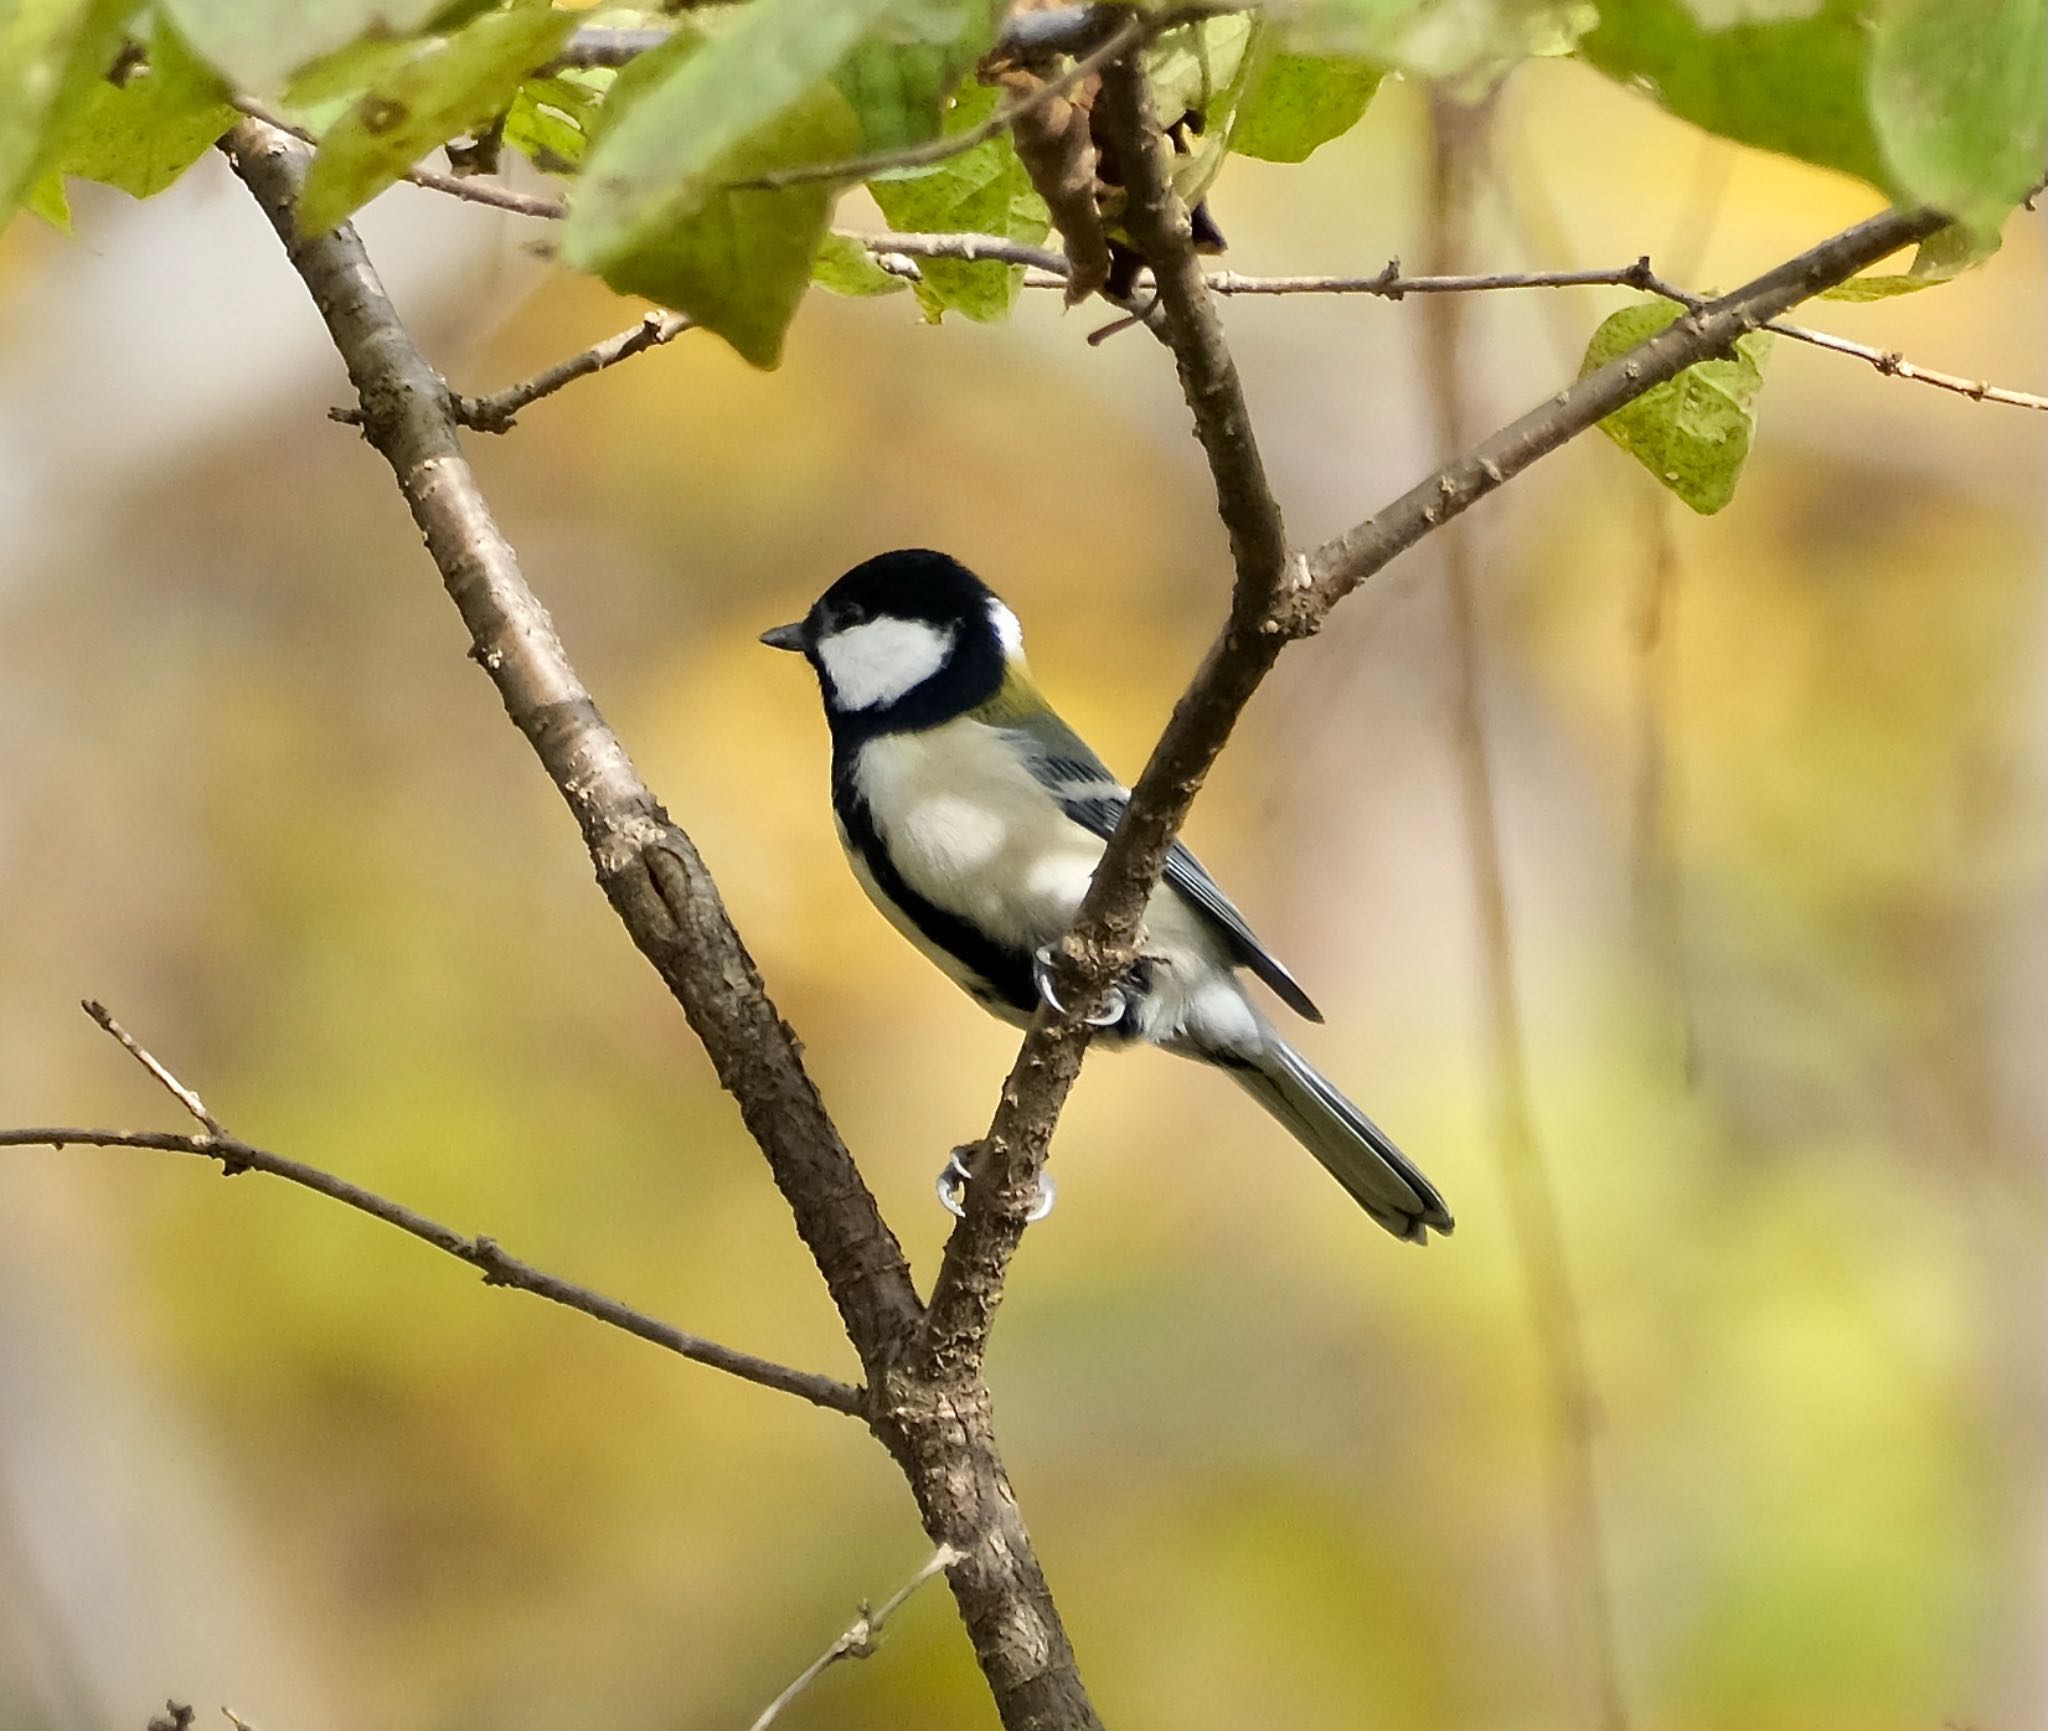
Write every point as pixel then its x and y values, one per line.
pixel 974 817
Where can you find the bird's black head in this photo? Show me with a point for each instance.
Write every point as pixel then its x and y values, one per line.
pixel 903 641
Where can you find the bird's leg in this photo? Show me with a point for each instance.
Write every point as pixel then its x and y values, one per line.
pixel 952 1188
pixel 1119 1001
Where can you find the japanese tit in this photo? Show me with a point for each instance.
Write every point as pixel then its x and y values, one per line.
pixel 974 817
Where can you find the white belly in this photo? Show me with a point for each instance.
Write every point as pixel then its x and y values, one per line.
pixel 1008 860
pixel 1002 856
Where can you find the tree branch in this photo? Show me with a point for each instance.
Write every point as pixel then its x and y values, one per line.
pixel 1347 560
pixel 1103 942
pixel 648 867
pixel 1276 598
pixel 942 1438
pixel 497 413
pixel 1895 366
pixel 498 1266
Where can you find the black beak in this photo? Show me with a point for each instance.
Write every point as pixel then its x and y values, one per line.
pixel 785 637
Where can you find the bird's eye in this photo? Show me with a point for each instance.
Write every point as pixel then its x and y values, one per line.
pixel 847 615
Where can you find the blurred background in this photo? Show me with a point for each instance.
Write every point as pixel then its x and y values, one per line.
pixel 1775 872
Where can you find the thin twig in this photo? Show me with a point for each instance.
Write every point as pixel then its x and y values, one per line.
pixel 1389 283
pixel 497 1265
pixel 178 1091
pixel 1895 365
pixel 968 248
pixel 1137 28
pixel 497 412
pixel 857 1640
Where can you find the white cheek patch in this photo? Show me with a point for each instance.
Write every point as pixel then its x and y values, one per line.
pixel 1009 633
pixel 883 660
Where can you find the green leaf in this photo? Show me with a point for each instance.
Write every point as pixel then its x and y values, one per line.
pixel 981 191
pixel 845 267
pixel 898 87
pixel 1943 256
pixel 666 157
pixel 1959 95
pixel 1471 44
pixel 258 44
pixel 140 136
pixel 551 119
pixel 46 199
pixel 1198 73
pixel 52 54
pixel 1692 432
pixel 1795 86
pixel 740 262
pixel 447 85
pixel 1299 101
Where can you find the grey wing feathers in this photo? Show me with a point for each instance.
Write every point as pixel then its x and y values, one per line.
pixel 1094 799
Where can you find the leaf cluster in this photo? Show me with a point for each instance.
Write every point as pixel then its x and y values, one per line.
pixel 700 173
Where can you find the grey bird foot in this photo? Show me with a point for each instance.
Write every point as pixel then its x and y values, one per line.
pixel 952 1188
pixel 1113 1005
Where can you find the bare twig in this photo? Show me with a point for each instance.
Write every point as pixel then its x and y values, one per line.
pixel 497 412
pixel 1895 365
pixel 941 1437
pixel 1457 135
pixel 968 248
pixel 178 1091
pixel 1137 28
pixel 857 1640
pixel 1390 283
pixel 498 1266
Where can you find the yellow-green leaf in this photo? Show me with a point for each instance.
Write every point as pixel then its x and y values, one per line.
pixel 981 191
pixel 448 85
pixel 845 267
pixel 52 53
pixel 1297 102
pixel 141 135
pixel 1692 432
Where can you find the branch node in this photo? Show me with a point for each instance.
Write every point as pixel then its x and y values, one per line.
pixel 176 1716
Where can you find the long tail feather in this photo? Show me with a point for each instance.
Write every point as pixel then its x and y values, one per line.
pixel 1353 1149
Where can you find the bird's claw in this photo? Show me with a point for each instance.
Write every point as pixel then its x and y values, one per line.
pixel 1114 1003
pixel 952 1189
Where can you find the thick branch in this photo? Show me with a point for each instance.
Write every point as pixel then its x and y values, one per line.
pixel 498 1266
pixel 647 865
pixel 1104 939
pixel 942 1438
